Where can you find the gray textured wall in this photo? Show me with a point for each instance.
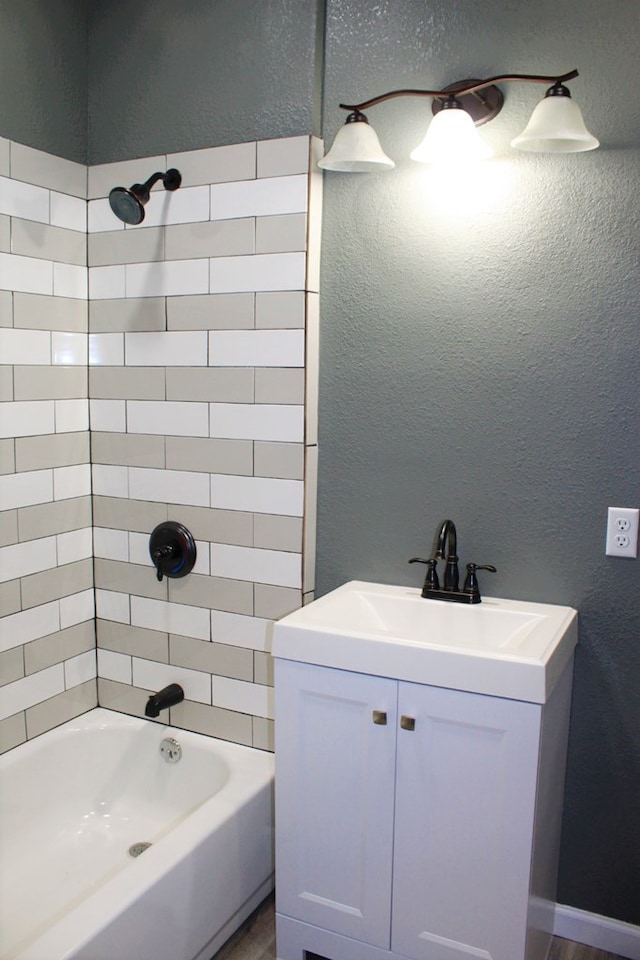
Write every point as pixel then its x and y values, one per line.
pixel 43 75
pixel 480 346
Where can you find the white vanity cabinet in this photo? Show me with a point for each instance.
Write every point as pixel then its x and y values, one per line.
pixel 414 821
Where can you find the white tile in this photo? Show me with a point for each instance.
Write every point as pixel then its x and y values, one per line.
pixel 70 280
pixel 185 205
pixel 70 482
pixel 79 669
pixel 170 617
pixel 74 545
pixel 29 625
pixel 257 495
pixel 261 566
pixel 169 486
pixel 264 421
pixel 110 481
pixel 106 283
pixel 100 216
pixel 173 418
pixel 160 349
pixel 111 605
pixel 244 697
pixel 241 631
pixel 106 349
pixel 108 416
pixel 24 489
pixel 71 416
pixel 23 559
pixel 26 418
pixel 138 548
pixel 68 212
pixel 33 689
pixel 169 278
pixel 25 346
pixel 24 200
pixel 266 271
pixel 69 349
pixel 256 348
pixel 113 544
pixel 151 675
pixel 266 197
pixel 25 274
pixel 114 666
pixel 77 608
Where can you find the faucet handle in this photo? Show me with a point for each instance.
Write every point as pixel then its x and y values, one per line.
pixel 471 580
pixel 431 581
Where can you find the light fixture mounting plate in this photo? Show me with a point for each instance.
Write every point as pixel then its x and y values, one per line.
pixel 481 105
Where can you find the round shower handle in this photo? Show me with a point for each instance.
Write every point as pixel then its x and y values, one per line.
pixel 172 549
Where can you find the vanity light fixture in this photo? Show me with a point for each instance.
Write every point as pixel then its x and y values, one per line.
pixel 556 125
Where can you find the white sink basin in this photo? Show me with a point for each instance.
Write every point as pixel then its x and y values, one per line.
pixel 506 648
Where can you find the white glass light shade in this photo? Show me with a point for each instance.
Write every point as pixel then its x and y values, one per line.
pixel 556 126
pixel 356 149
pixel 451 139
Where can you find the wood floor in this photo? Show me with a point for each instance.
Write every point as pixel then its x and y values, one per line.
pixel 256 940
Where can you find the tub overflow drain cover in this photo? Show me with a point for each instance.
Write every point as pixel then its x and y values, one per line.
pixel 137 848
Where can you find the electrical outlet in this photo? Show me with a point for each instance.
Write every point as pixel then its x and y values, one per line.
pixel 622 532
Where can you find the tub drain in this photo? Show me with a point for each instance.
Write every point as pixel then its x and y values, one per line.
pixel 137 848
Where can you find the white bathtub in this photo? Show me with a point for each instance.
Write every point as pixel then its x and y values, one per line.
pixel 72 803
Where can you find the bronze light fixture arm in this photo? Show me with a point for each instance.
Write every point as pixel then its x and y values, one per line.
pixel 471 87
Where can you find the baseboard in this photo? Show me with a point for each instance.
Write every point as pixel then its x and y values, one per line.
pixel 603 933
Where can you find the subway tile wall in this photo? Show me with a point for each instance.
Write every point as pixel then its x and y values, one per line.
pixel 47 633
pixel 202 396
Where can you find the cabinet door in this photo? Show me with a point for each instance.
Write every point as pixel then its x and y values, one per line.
pixel 466 782
pixel 334 799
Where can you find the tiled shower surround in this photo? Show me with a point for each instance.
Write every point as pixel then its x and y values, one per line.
pixel 202 352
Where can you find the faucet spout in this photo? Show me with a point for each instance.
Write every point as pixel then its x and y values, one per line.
pixel 163 699
pixel 447 549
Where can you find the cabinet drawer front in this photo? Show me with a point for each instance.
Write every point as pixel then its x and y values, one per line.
pixel 334 799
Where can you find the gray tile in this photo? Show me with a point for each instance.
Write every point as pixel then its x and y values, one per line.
pixel 5 234
pixel 210 456
pixel 11 665
pixel 52 450
pixel 5 157
pixel 277 533
pixel 58 582
pixel 312 364
pixel 283 157
pixel 9 597
pixel 112 316
pixel 216 311
pixel 47 170
pixel 127 383
pixel 33 311
pixel 123 638
pixel 263 668
pixel 218 526
pixel 6 383
pixel 216 164
pixel 13 732
pixel 65 706
pixel 104 176
pixel 275 602
pixel 263 735
pixel 196 590
pixel 217 658
pixel 213 722
pixel 6 308
pixel 8 527
pixel 232 596
pixel 280 385
pixel 122 697
pixel 211 238
pixel 283 461
pixel 126 246
pixel 128 449
pixel 32 239
pixel 47 519
pixel 129 578
pixel 280 310
pixel 119 514
pixel 281 234
pixel 7 456
pixel 50 383
pixel 60 646
pixel 214 384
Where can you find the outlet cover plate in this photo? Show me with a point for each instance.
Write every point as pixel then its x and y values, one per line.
pixel 622 532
